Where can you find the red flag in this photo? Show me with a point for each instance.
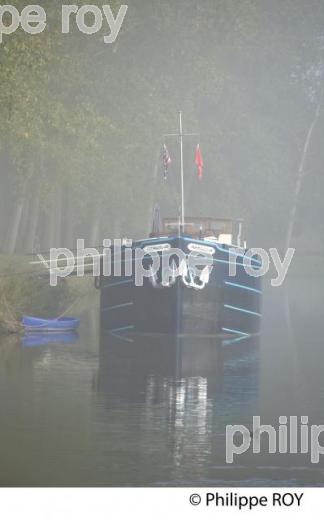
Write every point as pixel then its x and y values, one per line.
pixel 199 162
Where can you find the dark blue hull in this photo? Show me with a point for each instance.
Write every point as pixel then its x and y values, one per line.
pixel 225 305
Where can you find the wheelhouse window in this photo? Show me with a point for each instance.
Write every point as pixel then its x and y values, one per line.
pixel 225 231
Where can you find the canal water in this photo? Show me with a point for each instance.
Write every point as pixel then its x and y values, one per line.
pixel 104 411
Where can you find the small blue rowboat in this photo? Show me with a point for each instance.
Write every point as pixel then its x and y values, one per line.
pixel 34 324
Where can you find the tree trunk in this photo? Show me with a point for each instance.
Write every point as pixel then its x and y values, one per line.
pixel 117 228
pixel 301 171
pixel 15 225
pixel 51 235
pixel 58 204
pixel 55 220
pixel 94 232
pixel 33 224
pixel 21 239
pixel 68 224
pixel 16 221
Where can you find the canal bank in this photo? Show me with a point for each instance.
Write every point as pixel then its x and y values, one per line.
pixel 23 291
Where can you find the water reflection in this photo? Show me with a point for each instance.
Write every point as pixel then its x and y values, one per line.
pixel 154 368
pixel 177 395
pixel 39 339
pixel 105 412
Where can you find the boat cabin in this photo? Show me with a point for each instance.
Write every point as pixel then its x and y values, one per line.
pixel 224 231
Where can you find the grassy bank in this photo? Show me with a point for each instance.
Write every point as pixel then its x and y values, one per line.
pixel 23 291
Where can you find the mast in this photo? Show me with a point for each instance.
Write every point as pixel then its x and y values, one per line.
pixel 181 135
pixel 181 173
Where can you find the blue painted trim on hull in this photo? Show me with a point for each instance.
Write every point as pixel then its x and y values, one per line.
pixel 246 287
pixel 112 307
pixel 124 338
pixel 227 262
pixel 120 329
pixel 227 342
pixel 235 331
pixel 231 307
pixel 148 240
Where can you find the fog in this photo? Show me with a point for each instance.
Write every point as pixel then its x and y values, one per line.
pixel 82 134
pixel 82 122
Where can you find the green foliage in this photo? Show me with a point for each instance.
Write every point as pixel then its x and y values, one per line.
pixel 87 118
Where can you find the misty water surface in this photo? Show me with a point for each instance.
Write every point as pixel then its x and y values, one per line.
pixel 154 412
